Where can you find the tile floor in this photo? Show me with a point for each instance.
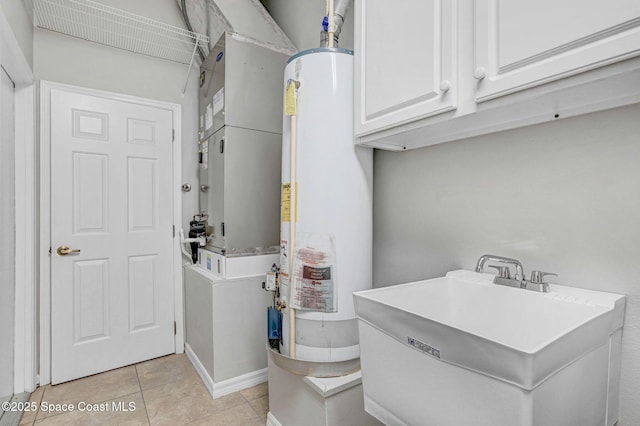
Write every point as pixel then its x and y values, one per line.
pixel 162 391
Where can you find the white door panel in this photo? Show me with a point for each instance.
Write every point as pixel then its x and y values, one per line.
pixel 111 198
pixel 519 44
pixel 530 29
pixel 405 61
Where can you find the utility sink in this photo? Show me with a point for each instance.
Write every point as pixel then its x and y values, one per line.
pixel 462 350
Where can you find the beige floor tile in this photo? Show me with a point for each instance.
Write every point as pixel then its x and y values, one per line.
pixel 98 388
pixel 261 406
pixel 165 391
pixel 28 417
pixel 255 392
pixel 112 414
pixel 161 371
pixel 184 401
pixel 242 415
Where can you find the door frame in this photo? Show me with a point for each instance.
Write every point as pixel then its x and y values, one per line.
pixel 17 67
pixel 45 211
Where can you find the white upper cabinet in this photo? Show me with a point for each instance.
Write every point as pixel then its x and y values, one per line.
pixel 521 44
pixel 429 71
pixel 405 61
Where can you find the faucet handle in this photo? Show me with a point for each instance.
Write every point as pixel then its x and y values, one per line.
pixel 537 277
pixel 503 271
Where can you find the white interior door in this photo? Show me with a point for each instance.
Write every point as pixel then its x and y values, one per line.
pixel 111 199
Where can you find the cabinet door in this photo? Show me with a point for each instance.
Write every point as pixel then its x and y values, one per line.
pixel 521 44
pixel 405 61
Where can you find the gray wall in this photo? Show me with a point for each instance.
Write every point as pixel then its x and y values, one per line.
pixel 17 15
pixel 561 197
pixel 68 60
pixel 301 20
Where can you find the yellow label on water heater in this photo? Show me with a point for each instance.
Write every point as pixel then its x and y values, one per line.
pixel 290 99
pixel 286 202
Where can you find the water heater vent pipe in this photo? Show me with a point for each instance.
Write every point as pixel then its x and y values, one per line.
pixel 336 13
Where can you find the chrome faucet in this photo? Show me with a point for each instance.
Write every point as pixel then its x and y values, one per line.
pixel 491 257
pixel 536 283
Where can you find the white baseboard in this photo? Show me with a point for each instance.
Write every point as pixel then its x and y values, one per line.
pixel 238 383
pixel 202 372
pixel 225 387
pixel 272 421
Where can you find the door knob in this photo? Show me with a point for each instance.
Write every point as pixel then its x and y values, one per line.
pixel 64 250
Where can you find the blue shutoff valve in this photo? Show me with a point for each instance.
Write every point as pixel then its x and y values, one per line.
pixel 325 24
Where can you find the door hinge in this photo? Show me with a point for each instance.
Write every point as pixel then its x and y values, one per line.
pixel 221 146
pixel 222 228
pixel 174 231
pixel 175 328
pixel 173 135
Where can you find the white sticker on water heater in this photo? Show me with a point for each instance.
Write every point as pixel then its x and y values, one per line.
pixel 284 256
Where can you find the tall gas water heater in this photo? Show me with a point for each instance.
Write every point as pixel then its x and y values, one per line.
pixel 326 209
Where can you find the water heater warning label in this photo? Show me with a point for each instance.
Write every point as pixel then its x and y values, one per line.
pixel 286 203
pixel 423 347
pixel 284 257
pixel 313 285
pixel 316 274
pixel 314 290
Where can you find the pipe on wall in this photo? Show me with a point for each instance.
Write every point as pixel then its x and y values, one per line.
pixel 293 217
pixel 336 12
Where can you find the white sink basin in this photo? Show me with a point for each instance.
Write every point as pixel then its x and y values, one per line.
pixel 520 338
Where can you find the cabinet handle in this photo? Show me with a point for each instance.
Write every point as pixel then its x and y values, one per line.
pixel 480 73
pixel 445 85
